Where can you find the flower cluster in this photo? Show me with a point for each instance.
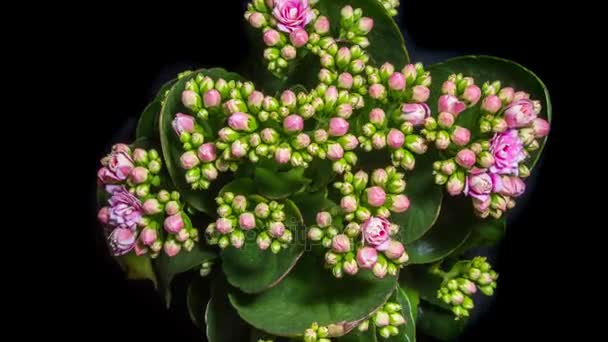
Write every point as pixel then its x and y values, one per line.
pixel 137 209
pixel 387 320
pixel 463 281
pixel 368 239
pixel 316 333
pixel 390 6
pixel 285 27
pixel 255 216
pixel 490 169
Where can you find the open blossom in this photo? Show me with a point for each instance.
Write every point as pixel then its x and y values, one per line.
pixel 520 113
pixel 479 184
pixel 292 14
pixel 376 232
pixel 121 241
pixel 118 166
pixel 451 104
pixel 415 113
pixel 508 151
pixel 125 209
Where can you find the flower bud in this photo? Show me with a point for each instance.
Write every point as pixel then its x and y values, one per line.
pixel 338 126
pixel 377 91
pixel 348 204
pixel 399 203
pixel 540 127
pixel 367 257
pixel 276 229
pixel 380 268
pixel 247 221
pixel 282 155
pixel 506 95
pixel 491 104
pixel 395 250
pixel 378 141
pixel 321 25
pixel 223 225
pixel 288 52
pixel 465 158
pixel 451 104
pixel 212 98
pixel 171 248
pixel 520 95
pixel 416 144
pixel 460 135
pixel 343 57
pixel 448 88
pixel 271 37
pixel 340 243
pixel 375 196
pixel 345 80
pixel 173 223
pixel 455 184
pixel 472 94
pixel 189 160
pixel 499 125
pixel 191 100
pixel 396 81
pixel 237 239
pixel 334 151
pixel 298 37
pixel 363 214
pixel 263 241
pixel 395 138
pixel 349 142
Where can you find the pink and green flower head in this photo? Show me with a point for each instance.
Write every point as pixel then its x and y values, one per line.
pixel 376 232
pixel 292 14
pixel 508 151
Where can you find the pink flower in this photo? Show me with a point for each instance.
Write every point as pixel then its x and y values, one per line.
pixel 172 248
pixel 293 123
pixel 292 14
pixel 376 232
pixel 345 80
pixel 395 250
pixel 461 136
pixel 323 219
pixel 322 25
pixel 395 138
pixel 365 25
pixel 340 243
pixel 451 104
pixel 189 160
pixel 282 155
pixel 377 91
pixel 511 186
pixel 541 127
pixel 335 151
pixel 472 94
pixel 348 204
pixel 125 209
pixel 118 167
pixel 377 116
pixel 121 241
pixel 367 257
pixel 448 87
pixel 376 196
pixel 174 223
pixel 242 122
pixel 446 119
pixel 508 151
pixel 104 215
pixel 183 123
pixel 276 229
pixel 415 113
pixel 420 93
pixel 238 149
pixel 223 225
pixel 491 104
pixel 212 98
pixel 338 127
pixel 148 236
pixel 479 184
pixel 271 37
pixel 207 152
pixel 247 221
pixel 396 81
pixel 520 113
pixel 465 158
pixel 400 203
pixel 139 175
pixel 298 37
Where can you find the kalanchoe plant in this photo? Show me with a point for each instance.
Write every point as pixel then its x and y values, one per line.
pixel 256 183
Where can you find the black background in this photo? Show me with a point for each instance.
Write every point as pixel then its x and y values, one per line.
pixel 126 54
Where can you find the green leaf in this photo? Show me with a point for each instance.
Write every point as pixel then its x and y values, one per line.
pixel 311 294
pixel 168 267
pixel 408 299
pixel 486 233
pixel 451 230
pixel 277 185
pixel 148 124
pixel 438 323
pixel 253 270
pixel 386 40
pixel 201 200
pixel 321 173
pixel 486 68
pixel 310 203
pixel 137 267
pixel 223 322
pixel 419 279
pixel 197 298
pixel 360 336
pixel 425 200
